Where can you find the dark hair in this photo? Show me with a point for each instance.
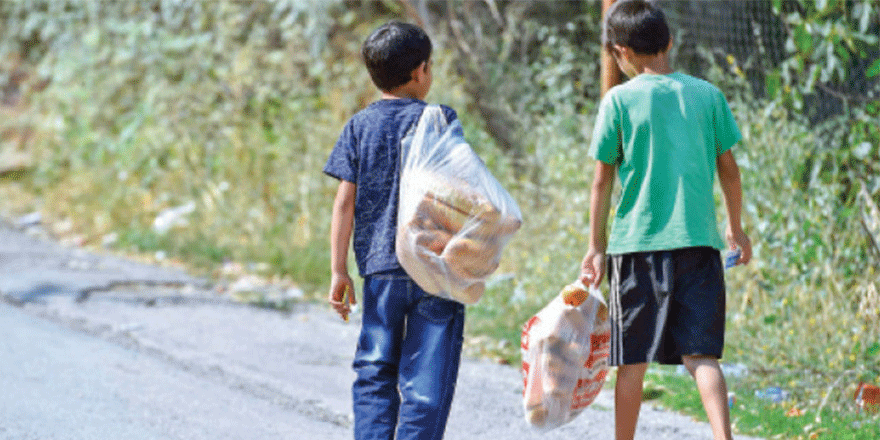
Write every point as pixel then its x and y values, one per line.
pixel 392 51
pixel 637 24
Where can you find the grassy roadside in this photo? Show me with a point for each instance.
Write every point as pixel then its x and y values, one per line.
pixel 759 416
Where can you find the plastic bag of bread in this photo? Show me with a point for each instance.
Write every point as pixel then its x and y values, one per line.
pixel 454 217
pixel 565 350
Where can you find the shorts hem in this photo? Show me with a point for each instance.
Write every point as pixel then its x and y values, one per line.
pixel 666 361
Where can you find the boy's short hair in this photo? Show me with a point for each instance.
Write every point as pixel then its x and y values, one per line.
pixel 392 51
pixel 637 24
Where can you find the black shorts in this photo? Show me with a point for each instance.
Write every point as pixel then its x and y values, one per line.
pixel 666 304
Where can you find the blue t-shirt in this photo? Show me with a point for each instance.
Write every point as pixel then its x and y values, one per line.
pixel 368 155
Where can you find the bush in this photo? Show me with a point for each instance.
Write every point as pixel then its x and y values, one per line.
pixel 155 105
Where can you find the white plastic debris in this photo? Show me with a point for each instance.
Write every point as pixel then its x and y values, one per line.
pixel 172 217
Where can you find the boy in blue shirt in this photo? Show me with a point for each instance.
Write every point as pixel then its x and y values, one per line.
pixel 408 354
pixel 666 134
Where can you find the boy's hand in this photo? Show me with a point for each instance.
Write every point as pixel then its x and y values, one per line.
pixel 341 296
pixel 593 268
pixel 737 239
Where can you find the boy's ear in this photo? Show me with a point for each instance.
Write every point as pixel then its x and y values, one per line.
pixel 419 73
pixel 621 51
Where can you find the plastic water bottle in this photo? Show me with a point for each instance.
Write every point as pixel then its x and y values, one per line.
pixel 773 394
pixel 731 258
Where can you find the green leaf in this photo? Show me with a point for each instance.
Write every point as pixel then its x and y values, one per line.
pixel 842 53
pixel 772 84
pixel 803 40
pixel 873 350
pixel 777 6
pixel 874 70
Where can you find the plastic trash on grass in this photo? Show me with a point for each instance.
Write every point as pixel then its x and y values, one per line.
pixel 773 394
pixel 454 217
pixel 565 349
pixel 867 398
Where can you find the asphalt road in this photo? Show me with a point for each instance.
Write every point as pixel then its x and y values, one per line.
pixel 94 346
pixel 60 383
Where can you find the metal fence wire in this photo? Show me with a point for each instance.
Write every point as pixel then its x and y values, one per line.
pixel 750 32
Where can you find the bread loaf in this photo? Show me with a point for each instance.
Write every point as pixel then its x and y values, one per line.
pixel 423 267
pixel 565 348
pixel 434 241
pixel 472 258
pixel 492 224
pixel 469 294
pixel 537 416
pixel 442 214
pixel 574 294
pixel 421 221
pixel 453 238
pixel 454 204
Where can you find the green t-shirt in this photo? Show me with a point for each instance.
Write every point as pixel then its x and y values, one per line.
pixel 664 134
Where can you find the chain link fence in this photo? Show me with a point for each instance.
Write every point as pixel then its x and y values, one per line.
pixel 750 36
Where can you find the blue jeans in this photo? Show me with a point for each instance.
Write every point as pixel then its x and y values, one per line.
pixel 406 361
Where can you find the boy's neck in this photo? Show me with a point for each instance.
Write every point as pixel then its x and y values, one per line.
pixel 390 95
pixel 657 64
pixel 405 91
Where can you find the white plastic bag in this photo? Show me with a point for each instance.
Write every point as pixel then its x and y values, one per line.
pixel 454 218
pixel 565 350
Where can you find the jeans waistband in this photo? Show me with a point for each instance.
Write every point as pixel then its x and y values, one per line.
pixel 392 274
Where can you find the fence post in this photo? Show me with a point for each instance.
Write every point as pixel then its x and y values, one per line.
pixel 610 72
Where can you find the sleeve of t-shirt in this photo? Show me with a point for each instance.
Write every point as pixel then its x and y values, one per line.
pixel 726 131
pixel 450 113
pixel 343 163
pixel 451 117
pixel 605 143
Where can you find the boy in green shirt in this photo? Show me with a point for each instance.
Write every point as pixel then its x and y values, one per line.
pixel 666 134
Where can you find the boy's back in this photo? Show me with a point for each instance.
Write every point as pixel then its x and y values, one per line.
pixel 665 133
pixel 368 154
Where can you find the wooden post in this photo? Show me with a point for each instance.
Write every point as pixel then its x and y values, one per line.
pixel 610 71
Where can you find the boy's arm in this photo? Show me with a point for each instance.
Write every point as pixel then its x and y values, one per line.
pixel 340 236
pixel 731 187
pixel 593 265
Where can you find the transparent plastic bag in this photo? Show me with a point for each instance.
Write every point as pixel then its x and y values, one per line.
pixel 454 217
pixel 565 349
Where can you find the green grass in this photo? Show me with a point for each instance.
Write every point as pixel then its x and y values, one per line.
pixel 197 252
pixel 754 416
